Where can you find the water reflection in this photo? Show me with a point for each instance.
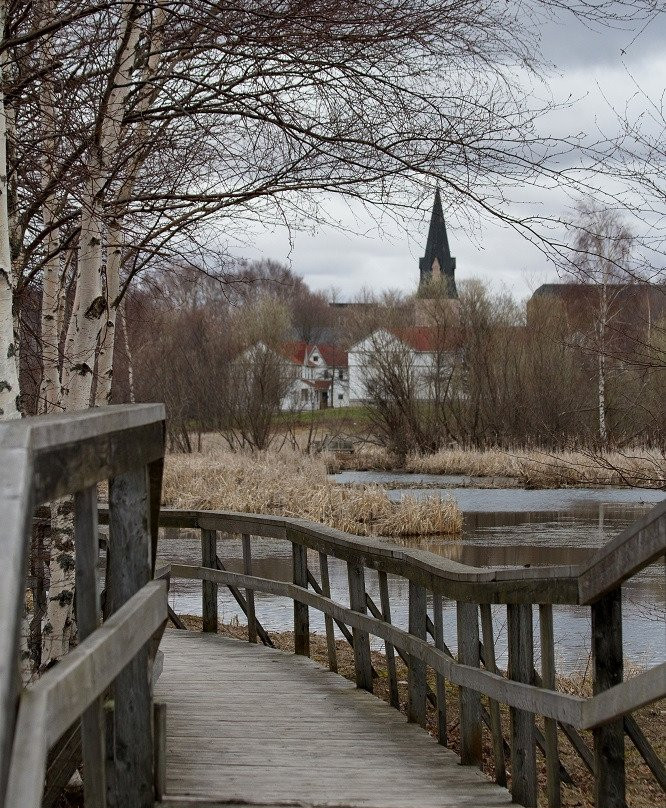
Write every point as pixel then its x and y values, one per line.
pixel 510 535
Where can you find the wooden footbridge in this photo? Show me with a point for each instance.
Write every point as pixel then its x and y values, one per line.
pixel 180 718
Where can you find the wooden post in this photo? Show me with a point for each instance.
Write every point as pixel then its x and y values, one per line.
pixel 394 696
pixel 159 750
pixel 93 726
pixel 357 601
pixel 129 570
pixel 495 723
pixel 521 669
pixel 249 593
pixel 301 612
pixel 416 706
pixel 553 785
pixel 471 750
pixel 609 781
pixel 438 622
pixel 209 588
pixel 328 620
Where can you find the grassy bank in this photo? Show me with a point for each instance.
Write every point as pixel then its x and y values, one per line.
pixel 292 484
pixel 532 468
pixel 642 789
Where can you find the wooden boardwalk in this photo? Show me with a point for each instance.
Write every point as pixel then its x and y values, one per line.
pixel 253 725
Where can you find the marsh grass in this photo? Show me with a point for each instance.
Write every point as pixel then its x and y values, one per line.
pixel 533 468
pixel 296 485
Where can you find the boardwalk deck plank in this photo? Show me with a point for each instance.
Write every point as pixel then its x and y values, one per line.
pixel 251 724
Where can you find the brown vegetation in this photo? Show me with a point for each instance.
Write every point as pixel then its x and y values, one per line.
pixel 532 468
pixel 642 789
pixel 293 484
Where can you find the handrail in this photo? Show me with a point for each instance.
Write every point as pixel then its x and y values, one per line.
pixel 62 694
pixel 44 458
pixel 555 584
pixel 634 548
pixel 525 691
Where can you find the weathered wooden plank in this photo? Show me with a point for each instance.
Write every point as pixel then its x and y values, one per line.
pixel 624 698
pixel 394 697
pixel 62 761
pixel 553 785
pixel 328 620
pixel 609 781
pixel 159 748
pixel 209 588
pixel 416 678
pixel 520 669
pixel 87 619
pixel 634 548
pixel 249 593
pixel 129 570
pixel 440 683
pixel 495 723
pixel 340 746
pixel 563 707
pixel 240 600
pixel 16 504
pixel 155 474
pixel 50 706
pixel 651 758
pixel 357 602
pixel 471 749
pixel 299 555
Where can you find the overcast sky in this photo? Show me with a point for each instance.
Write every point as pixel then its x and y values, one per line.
pixel 594 66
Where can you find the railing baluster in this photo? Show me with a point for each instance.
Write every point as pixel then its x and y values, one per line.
pixel 609 783
pixel 521 669
pixel 495 723
pixel 394 696
pixel 249 593
pixel 471 750
pixel 209 588
pixel 129 570
pixel 93 729
pixel 438 621
pixel 328 620
pixel 416 707
pixel 357 601
pixel 301 612
pixel 553 786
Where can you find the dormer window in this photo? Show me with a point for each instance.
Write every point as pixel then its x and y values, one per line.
pixel 315 358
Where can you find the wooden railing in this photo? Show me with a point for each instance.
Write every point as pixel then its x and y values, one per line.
pixel 526 691
pixel 42 459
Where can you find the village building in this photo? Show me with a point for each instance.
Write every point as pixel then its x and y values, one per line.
pixel 321 376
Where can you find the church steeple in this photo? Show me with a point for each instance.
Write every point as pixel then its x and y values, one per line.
pixel 437 263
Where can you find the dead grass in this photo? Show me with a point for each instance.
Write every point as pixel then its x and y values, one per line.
pixel 643 790
pixel 537 469
pixel 292 484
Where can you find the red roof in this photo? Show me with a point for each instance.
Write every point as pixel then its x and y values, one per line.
pixel 295 351
pixel 332 355
pixel 298 350
pixel 318 384
pixel 428 338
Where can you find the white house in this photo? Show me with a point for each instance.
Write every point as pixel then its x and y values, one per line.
pixel 321 376
pixel 426 352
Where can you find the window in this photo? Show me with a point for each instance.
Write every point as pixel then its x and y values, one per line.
pixel 304 395
pixel 315 358
pixel 326 374
pixel 340 396
pixel 341 374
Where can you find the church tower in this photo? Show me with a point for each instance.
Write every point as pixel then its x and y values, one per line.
pixel 437 265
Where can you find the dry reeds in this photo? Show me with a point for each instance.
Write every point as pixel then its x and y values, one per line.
pixel 543 468
pixel 534 468
pixel 292 484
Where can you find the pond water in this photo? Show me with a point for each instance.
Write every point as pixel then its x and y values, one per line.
pixel 501 527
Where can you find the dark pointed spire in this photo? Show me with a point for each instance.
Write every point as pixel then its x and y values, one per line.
pixel 437 262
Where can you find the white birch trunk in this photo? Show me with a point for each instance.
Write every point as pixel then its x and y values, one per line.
pixel 9 377
pixel 601 390
pixel 128 354
pixel 91 303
